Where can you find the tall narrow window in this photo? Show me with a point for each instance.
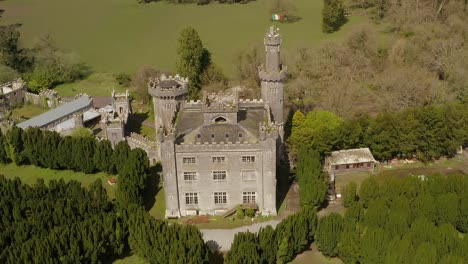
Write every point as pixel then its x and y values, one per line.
pixel 220 198
pixel 191 198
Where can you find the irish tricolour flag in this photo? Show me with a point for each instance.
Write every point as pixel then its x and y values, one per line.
pixel 276 17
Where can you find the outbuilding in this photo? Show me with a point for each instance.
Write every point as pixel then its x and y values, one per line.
pixel 350 160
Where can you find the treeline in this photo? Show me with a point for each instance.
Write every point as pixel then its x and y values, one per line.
pixel 411 220
pixel 199 2
pixel 48 149
pixel 63 222
pixel 291 237
pixel 424 133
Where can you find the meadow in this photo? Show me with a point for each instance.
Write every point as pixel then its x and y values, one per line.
pixel 121 35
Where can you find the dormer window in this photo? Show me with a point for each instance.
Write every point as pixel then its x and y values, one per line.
pixel 220 119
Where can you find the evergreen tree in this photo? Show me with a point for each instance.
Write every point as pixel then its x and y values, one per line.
pixel 244 249
pixel 369 191
pixel 103 157
pixel 349 194
pixel 312 186
pixel 333 15
pixel 426 253
pixel 120 155
pixel 373 245
pixel 348 244
pixel 328 234
pixel 3 152
pixel 190 59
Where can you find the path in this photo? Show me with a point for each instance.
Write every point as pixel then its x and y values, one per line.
pixel 221 239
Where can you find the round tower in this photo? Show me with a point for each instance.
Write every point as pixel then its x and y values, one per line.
pixel 272 76
pixel 169 94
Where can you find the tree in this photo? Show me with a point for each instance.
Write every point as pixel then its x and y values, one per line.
pixel 349 194
pixel 426 253
pixel 373 245
pixel 368 191
pixel 103 157
pixel 312 185
pixel 190 62
pixel 286 9
pixel 348 244
pixel 244 249
pixel 3 145
pixel 333 15
pixel 328 234
pixel 11 54
pixel 140 82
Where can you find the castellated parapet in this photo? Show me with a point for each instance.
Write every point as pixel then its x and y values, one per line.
pixel 168 87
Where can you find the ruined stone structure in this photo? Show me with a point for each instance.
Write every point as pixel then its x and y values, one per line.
pixel 220 152
pixel 113 123
pixel 12 93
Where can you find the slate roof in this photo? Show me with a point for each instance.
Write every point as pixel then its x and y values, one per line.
pixel 349 156
pixel 57 113
pixel 190 127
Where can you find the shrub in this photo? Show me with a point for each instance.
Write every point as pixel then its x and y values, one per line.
pixel 250 212
pixel 240 213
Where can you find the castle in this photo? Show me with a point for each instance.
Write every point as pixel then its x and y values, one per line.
pixel 221 152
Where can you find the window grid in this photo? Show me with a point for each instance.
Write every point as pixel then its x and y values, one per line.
pixel 248 159
pixel 249 175
pixel 191 198
pixel 219 175
pixel 190 175
pixel 220 198
pixel 188 160
pixel 218 159
pixel 248 197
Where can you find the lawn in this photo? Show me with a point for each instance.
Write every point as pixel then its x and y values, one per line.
pixel 97 84
pixel 121 35
pixel 29 175
pixel 29 110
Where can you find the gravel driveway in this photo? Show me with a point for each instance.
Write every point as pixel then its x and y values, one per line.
pixel 221 239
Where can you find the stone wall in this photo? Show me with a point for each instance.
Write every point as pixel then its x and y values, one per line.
pixel 150 147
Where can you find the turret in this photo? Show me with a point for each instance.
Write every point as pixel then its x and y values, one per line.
pixel 272 76
pixel 168 94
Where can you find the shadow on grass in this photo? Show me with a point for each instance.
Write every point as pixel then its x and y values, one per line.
pixel 152 186
pixel 135 122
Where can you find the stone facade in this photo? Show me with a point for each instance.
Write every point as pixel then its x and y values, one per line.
pixel 221 151
pixel 113 123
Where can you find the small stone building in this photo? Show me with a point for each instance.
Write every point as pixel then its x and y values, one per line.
pixel 221 152
pixel 349 160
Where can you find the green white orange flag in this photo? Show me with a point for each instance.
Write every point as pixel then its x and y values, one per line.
pixel 276 17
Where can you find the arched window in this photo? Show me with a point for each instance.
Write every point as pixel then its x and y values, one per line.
pixel 220 119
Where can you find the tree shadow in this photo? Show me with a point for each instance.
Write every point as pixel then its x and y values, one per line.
pixel 291 19
pixel 215 256
pixel 152 186
pixel 135 122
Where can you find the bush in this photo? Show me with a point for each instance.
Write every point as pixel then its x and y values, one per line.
pixel 123 79
pixel 250 212
pixel 240 213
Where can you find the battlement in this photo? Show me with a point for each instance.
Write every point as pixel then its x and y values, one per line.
pixel 12 86
pixel 172 86
pixel 141 141
pixel 272 37
pixel 251 102
pixel 120 96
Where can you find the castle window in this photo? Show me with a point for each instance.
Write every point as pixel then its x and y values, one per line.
pixel 212 135
pixel 248 197
pixel 248 159
pixel 274 89
pixel 190 175
pixel 220 119
pixel 219 175
pixel 240 135
pixel 198 135
pixel 218 159
pixel 191 198
pixel 227 135
pixel 188 160
pixel 249 175
pixel 220 198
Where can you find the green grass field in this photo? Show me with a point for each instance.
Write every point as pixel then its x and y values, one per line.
pixel 97 84
pixel 29 110
pixel 122 35
pixel 29 175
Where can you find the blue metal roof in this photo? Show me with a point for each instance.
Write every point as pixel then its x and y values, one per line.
pixel 57 113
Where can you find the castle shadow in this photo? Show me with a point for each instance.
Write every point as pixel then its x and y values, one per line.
pixel 135 122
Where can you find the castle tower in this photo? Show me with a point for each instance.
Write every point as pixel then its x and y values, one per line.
pixel 168 94
pixel 121 105
pixel 272 76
